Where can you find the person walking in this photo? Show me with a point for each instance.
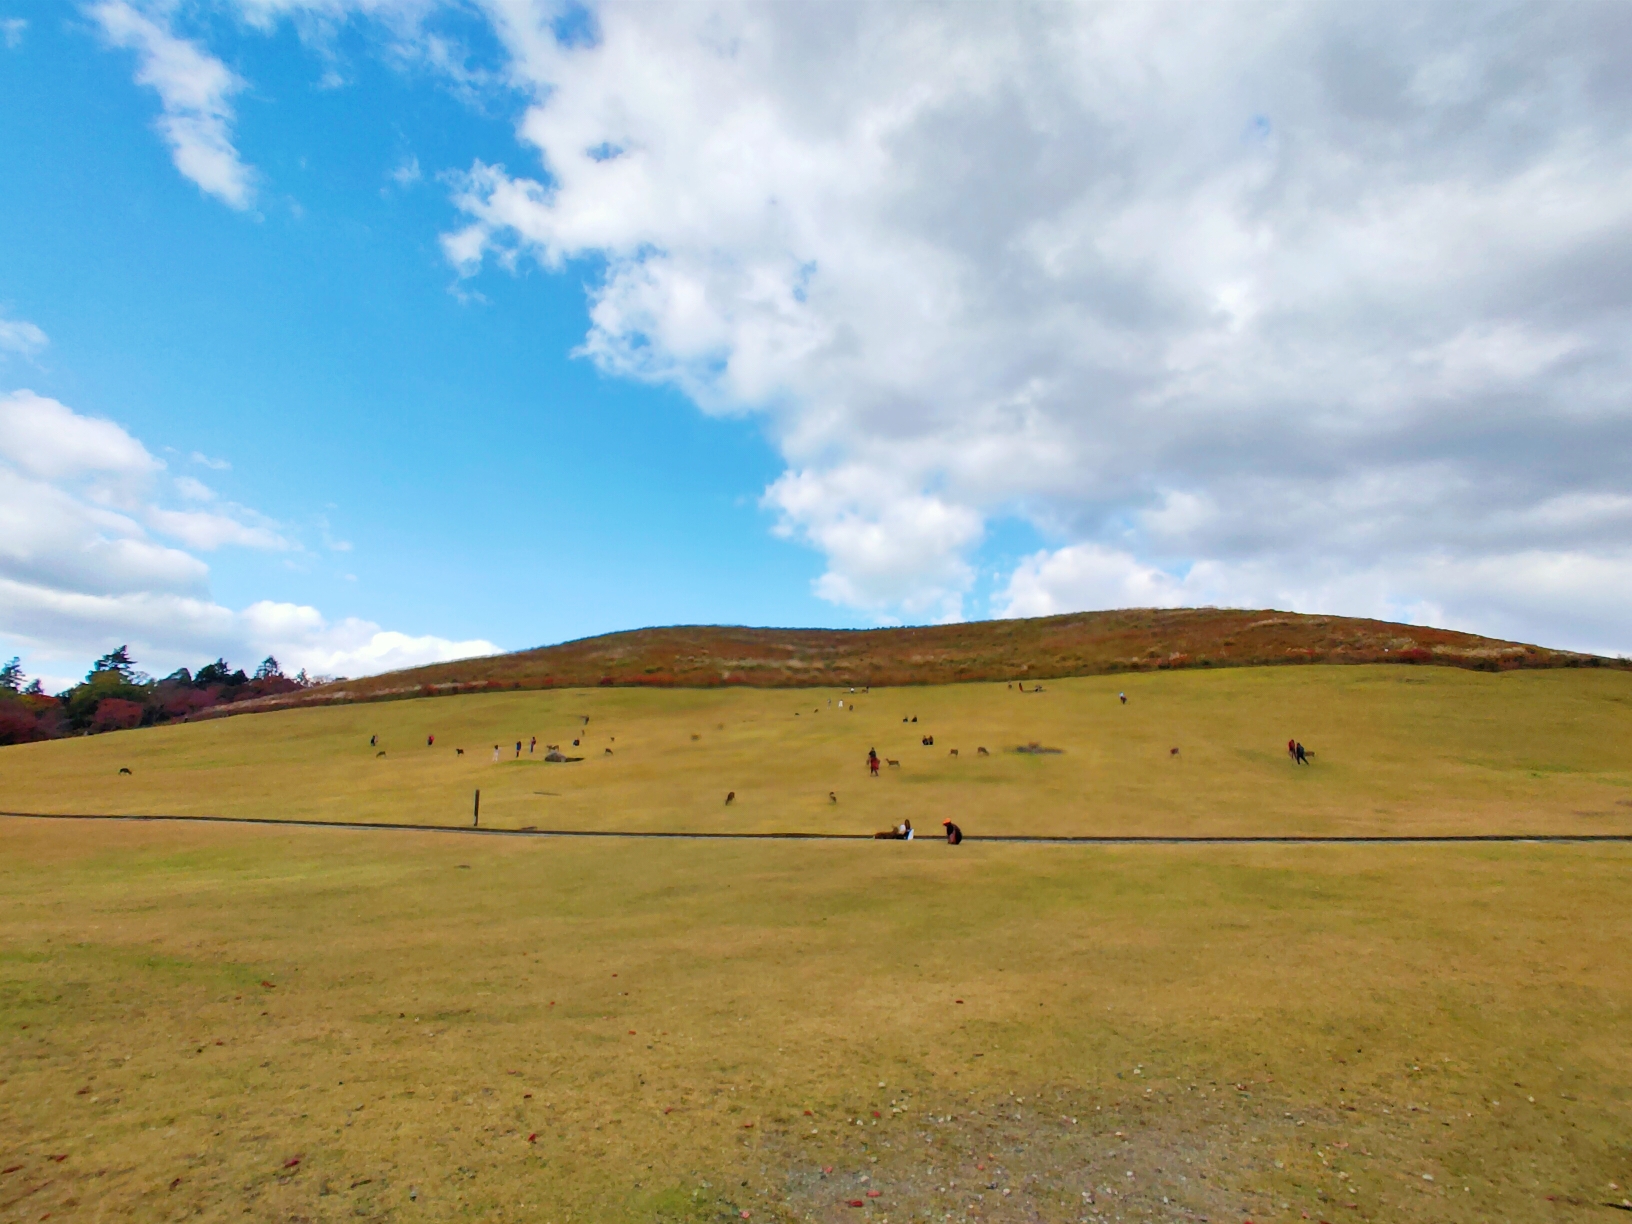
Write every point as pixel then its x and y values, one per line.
pixel 495 752
pixel 518 750
pixel 533 744
pixel 430 739
pixel 1299 755
pixel 373 741
pixel 872 761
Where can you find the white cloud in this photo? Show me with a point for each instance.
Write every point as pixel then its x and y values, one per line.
pixel 407 172
pixel 194 490
pixel 195 91
pixel 80 569
pixel 203 460
pixel 21 336
pixel 208 530
pixel 1271 296
pixel 46 439
pixel 12 30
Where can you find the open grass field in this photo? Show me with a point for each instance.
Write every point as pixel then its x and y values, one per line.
pixel 1397 750
pixel 276 1024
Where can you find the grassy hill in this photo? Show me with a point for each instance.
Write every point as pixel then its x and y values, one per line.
pixel 1079 644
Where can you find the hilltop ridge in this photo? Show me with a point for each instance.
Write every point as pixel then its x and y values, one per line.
pixel 1042 648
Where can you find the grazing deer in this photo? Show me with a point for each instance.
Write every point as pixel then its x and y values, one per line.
pixel 609 752
pixel 380 753
pixel 730 798
pixel 892 764
pixel 982 752
pixel 832 797
pixel 458 752
pixel 928 741
pixel 125 769
pixel 1172 752
pixel 954 752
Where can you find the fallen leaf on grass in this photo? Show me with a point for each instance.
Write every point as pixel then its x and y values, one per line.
pixel 269 985
pixel 858 1203
pixel 875 1194
pixel 11 1169
pixel 533 1138
pixel 291 1162
pixel 58 1159
pixel 175 1183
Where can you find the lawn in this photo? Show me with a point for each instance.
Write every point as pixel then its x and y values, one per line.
pixel 1396 750
pixel 322 1024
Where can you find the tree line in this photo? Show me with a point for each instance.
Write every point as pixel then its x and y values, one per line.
pixel 115 696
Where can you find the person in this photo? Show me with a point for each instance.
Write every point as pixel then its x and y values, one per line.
pixel 954 835
pixel 429 740
pixel 495 752
pixel 533 743
pixel 1123 698
pixel 872 761
pixel 904 830
pixel 518 750
pixel 1292 749
pixel 1302 757
pixel 373 741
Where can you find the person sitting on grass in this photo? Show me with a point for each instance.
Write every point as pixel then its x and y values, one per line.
pixel 954 835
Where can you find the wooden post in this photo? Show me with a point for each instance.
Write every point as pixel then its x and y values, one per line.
pixel 476 813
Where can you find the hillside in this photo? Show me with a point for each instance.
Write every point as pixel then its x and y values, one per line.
pixel 1043 648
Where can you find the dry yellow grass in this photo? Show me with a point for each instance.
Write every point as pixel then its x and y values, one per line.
pixel 1397 750
pixel 431 1023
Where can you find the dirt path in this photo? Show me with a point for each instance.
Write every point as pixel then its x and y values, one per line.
pixel 1264 840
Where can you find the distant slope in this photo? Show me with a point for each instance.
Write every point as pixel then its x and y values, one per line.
pixel 1083 643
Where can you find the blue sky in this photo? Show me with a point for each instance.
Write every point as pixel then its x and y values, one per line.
pixel 372 333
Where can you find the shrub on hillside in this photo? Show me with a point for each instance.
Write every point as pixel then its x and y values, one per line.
pixel 117 714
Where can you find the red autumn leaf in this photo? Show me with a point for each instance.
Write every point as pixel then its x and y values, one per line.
pixel 60 1159
pixel 631 1032
pixel 858 1203
pixel 957 1000
pixel 808 1114
pixel 526 1096
pixel 747 1126
pixel 269 985
pixel 533 1138
pixel 175 1183
pixel 291 1162
pixel 827 1168
pixel 10 1169
pixel 875 1194
pixel 876 1114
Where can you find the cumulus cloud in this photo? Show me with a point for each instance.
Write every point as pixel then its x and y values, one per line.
pixel 12 30
pixel 90 556
pixel 195 91
pixel 1279 294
